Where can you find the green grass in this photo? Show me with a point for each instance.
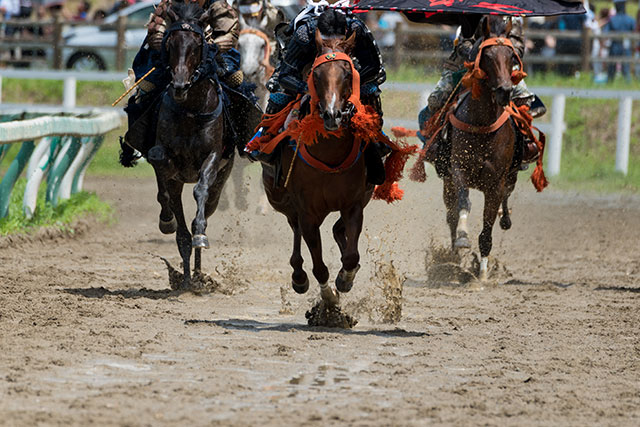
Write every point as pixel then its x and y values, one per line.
pixel 106 163
pixel 588 145
pixel 80 205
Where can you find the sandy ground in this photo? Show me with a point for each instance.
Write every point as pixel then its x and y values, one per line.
pixel 91 334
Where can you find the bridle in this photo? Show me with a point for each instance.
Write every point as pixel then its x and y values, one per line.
pixel 476 75
pixel 265 62
pixel 353 100
pixel 207 63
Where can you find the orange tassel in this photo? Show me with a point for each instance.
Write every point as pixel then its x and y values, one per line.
pixel 400 132
pixel 418 172
pixel 517 76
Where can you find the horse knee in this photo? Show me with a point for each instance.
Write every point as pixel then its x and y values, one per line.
pixel 350 261
pixel 157 156
pixel 321 273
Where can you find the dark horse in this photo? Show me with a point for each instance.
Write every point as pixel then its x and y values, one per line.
pixel 483 142
pixel 192 143
pixel 310 194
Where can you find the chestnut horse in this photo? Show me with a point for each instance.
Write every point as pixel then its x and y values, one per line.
pixel 483 141
pixel 337 182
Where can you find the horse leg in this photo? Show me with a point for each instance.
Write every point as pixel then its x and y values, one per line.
pixel 311 233
pixel 299 279
pixel 208 174
pixel 211 200
pixel 491 204
pixel 183 237
pixel 350 257
pixel 464 207
pixel 451 203
pixel 505 214
pixel 339 235
pixel 167 221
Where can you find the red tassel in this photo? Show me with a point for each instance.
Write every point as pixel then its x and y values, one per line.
pixel 400 132
pixel 517 76
pixel 418 172
pixel 389 192
pixel 538 179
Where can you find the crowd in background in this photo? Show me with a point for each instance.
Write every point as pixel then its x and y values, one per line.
pixel 610 19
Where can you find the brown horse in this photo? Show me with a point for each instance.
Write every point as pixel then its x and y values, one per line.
pixel 193 144
pixel 337 180
pixel 483 141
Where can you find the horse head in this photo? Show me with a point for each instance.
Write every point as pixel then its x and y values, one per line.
pixel 497 58
pixel 333 81
pixel 184 45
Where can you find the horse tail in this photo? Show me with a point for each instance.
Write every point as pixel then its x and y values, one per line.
pixel 128 156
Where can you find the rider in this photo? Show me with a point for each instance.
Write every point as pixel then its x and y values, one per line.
pixel 465 48
pixel 260 14
pixel 300 51
pixel 220 26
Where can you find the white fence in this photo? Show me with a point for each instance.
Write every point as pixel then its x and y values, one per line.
pixel 555 129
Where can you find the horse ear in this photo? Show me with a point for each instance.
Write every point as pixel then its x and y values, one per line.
pixel 319 41
pixel 349 44
pixel 172 15
pixel 509 26
pixel 486 28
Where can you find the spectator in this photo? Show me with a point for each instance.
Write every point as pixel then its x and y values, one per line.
pixel 569 46
pixel 99 15
pixel 9 8
pixel 82 13
pixel 620 22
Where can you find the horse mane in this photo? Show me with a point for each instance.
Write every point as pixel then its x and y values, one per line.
pixel 187 12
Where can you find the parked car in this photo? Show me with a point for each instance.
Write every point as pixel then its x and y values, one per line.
pixel 85 45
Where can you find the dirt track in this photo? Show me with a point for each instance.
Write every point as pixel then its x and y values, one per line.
pixel 90 333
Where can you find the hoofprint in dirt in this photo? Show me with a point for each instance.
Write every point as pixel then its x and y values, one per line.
pixel 91 333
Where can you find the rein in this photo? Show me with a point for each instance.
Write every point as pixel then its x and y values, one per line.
pixel 265 62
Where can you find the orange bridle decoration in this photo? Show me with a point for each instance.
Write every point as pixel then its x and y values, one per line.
pixel 355 80
pixel 265 62
pixel 476 75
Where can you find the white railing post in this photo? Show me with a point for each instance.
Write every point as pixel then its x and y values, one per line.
pixel 69 92
pixel 424 99
pixel 624 135
pixel 557 129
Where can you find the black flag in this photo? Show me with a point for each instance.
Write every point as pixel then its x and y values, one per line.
pixel 448 11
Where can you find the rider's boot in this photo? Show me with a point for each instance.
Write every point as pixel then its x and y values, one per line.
pixel 432 151
pixel 277 101
pixel 376 151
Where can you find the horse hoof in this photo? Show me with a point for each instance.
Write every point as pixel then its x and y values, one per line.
pixel 200 241
pixel 168 227
pixel 300 288
pixel 329 295
pixel 344 280
pixel 505 223
pixel 462 243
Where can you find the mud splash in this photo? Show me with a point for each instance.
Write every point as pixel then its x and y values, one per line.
pixel 448 268
pixel 201 283
pixel 388 279
pixel 322 314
